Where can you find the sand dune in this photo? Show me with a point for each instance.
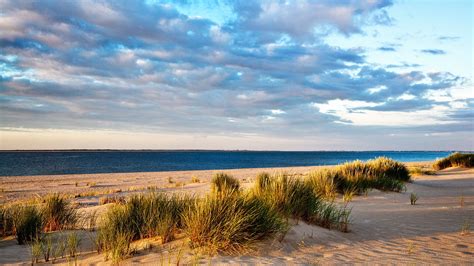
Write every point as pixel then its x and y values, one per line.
pixel 385 227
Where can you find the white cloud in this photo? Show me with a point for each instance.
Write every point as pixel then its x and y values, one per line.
pixel 406 97
pixel 376 89
pixel 353 112
pixel 277 112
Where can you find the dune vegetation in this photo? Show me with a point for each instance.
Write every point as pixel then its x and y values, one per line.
pixel 227 219
pixel 455 160
pixel 358 177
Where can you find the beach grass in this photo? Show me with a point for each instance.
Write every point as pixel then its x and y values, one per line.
pixel 456 159
pixel 222 181
pixel 27 223
pixel 231 222
pixel 58 213
pixel 142 216
pixel 359 177
pixel 227 219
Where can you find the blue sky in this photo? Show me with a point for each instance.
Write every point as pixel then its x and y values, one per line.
pixel 261 75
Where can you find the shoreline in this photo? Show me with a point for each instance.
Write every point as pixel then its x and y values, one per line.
pixel 23 187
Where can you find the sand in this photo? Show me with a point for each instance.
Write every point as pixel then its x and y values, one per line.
pixel 385 228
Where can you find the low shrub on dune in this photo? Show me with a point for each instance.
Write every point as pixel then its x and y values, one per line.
pixel 222 181
pixel 455 159
pixel 58 213
pixel 231 222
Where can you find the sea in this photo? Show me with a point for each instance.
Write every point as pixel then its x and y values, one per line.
pixel 21 163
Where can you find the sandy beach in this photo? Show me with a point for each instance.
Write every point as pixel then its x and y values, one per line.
pixel 385 228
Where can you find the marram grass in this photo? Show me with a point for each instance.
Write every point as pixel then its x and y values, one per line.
pixel 222 181
pixel 455 159
pixel 142 216
pixel 358 176
pixel 58 213
pixel 231 222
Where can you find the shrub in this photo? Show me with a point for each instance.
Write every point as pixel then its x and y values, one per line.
pixel 223 181
pixel 324 182
pixel 27 223
pixel 230 222
pixel 455 159
pixel 58 213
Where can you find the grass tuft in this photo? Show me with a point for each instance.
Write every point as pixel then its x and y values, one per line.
pixel 221 182
pixel 324 182
pixel 413 198
pixel 455 159
pixel 27 223
pixel 58 213
pixel 142 216
pixel 231 222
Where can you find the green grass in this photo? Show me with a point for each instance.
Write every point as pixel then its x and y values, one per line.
pixel 358 176
pixel 222 181
pixel 27 223
pixel 58 213
pixel 455 159
pixel 142 216
pixel 297 199
pixel 231 222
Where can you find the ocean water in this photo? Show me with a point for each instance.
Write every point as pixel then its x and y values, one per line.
pixel 88 162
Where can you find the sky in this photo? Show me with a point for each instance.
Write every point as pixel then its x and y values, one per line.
pixel 255 75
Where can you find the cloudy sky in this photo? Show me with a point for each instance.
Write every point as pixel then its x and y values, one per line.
pixel 272 75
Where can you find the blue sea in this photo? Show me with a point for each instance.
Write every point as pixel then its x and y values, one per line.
pixel 87 162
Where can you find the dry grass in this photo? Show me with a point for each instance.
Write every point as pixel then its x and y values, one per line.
pixel 455 159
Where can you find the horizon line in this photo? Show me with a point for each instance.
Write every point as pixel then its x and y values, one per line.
pixel 214 150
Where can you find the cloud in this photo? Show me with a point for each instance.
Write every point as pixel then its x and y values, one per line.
pixel 386 49
pixel 114 65
pixel 449 38
pixel 299 19
pixel 433 51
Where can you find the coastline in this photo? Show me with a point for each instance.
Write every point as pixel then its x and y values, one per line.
pixel 385 228
pixel 22 187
